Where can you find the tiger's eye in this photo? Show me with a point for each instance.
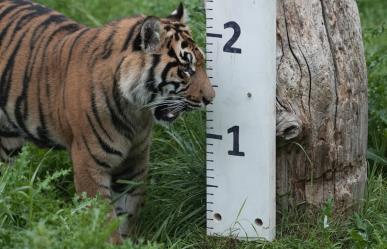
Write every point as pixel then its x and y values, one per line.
pixel 184 44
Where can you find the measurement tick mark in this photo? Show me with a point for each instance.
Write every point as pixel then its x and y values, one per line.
pixel 214 136
pixel 214 35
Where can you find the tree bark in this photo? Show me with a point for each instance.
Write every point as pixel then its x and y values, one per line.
pixel 321 103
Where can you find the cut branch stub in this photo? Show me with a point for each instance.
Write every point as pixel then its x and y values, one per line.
pixel 289 125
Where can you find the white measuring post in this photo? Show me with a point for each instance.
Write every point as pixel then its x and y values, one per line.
pixel 241 64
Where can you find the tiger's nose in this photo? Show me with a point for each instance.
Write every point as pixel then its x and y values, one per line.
pixel 207 99
pixel 208 94
pixel 201 89
pixel 203 97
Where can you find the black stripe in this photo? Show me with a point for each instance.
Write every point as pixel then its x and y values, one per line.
pixel 92 40
pixel 96 114
pixel 70 54
pixel 181 74
pixel 130 35
pixel 52 19
pixel 127 175
pixel 88 45
pixel 184 89
pixel 118 124
pixel 150 83
pixel 167 68
pixel 117 96
pixel 119 101
pixel 6 75
pixel 108 44
pixel 9 134
pixel 8 10
pixel 21 2
pixel 96 160
pixel 155 62
pixel 172 54
pixel 137 43
pixel 75 42
pixel 102 143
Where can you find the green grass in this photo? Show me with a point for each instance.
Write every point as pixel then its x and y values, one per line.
pixel 374 21
pixel 38 207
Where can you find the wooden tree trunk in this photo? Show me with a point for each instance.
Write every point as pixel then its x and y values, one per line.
pixel 321 103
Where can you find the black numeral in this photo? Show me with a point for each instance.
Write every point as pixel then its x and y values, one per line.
pixel 235 151
pixel 228 48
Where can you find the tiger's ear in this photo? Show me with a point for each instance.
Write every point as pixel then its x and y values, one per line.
pixel 180 14
pixel 151 35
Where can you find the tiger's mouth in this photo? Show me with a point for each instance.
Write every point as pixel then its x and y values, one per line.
pixel 168 113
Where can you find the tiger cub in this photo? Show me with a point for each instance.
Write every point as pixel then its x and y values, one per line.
pixel 96 92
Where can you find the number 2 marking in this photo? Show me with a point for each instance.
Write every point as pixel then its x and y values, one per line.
pixel 235 151
pixel 228 48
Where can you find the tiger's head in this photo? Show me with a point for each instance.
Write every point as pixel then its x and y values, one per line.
pixel 173 76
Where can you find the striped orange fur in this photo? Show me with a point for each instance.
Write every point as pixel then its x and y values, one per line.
pixel 96 92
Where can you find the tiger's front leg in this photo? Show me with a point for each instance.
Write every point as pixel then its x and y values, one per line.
pixel 128 189
pixel 93 179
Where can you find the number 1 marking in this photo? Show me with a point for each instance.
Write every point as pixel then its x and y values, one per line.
pixel 235 151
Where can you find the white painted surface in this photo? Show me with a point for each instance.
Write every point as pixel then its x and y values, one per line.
pixel 241 188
